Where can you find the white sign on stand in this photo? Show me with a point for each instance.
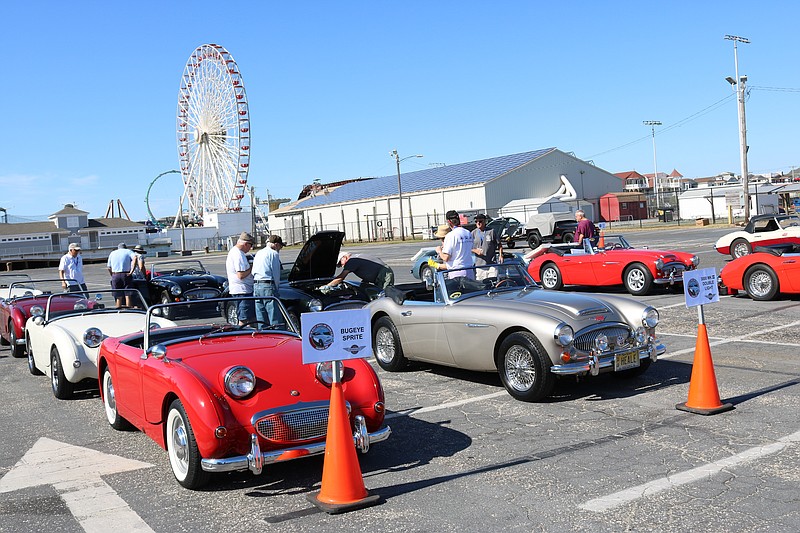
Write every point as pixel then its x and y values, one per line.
pixel 336 335
pixel 700 286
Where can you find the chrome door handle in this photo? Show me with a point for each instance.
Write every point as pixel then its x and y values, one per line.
pixel 406 313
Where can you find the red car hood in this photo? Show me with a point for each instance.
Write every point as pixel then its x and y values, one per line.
pixel 276 360
pixel 666 255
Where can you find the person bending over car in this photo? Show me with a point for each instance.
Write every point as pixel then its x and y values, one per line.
pixel 371 270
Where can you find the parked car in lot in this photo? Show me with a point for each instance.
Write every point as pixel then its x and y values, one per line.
pixel 763 275
pixel 315 266
pixel 62 336
pixel 421 270
pixel 225 398
pixel 614 262
pixel 782 231
pixel 180 280
pixel 18 294
pixel 506 323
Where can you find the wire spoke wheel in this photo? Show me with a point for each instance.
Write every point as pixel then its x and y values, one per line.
pixel 213 132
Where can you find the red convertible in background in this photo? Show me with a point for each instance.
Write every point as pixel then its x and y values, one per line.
pixel 613 262
pixel 220 397
pixel 763 274
pixel 18 295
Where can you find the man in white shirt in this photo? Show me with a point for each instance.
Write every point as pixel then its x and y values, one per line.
pixel 70 269
pixel 240 276
pixel 267 276
pixel 456 250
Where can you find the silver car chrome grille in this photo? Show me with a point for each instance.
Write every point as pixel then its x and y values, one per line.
pixel 669 268
pixel 201 294
pixel 584 342
pixel 294 426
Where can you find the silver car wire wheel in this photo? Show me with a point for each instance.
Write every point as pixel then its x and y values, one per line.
pixel 385 349
pixel 760 284
pixel 520 368
pixel 740 248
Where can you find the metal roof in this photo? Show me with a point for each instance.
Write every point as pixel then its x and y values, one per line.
pixel 459 175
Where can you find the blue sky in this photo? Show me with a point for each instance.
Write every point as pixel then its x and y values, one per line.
pixel 90 89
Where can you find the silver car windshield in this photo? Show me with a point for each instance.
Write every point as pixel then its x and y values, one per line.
pixel 480 280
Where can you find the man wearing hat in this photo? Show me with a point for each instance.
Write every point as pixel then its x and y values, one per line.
pixel 121 263
pixel 70 269
pixel 456 250
pixel 371 270
pixel 487 247
pixel 240 276
pixel 267 276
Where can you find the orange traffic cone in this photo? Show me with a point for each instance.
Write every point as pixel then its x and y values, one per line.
pixel 703 391
pixel 342 485
pixel 601 242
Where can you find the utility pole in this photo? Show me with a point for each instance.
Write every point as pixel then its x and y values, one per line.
pixel 739 86
pixel 653 124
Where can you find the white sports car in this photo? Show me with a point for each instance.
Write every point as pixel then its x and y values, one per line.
pixel 63 337
pixel 773 231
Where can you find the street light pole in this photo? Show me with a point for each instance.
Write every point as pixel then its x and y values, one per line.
pixel 400 190
pixel 653 124
pixel 738 84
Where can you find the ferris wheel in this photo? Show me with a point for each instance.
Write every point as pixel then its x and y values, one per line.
pixel 213 132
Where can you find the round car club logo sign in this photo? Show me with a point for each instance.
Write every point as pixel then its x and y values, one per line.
pixel 693 287
pixel 321 336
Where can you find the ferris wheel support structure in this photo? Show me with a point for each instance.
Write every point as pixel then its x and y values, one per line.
pixel 213 132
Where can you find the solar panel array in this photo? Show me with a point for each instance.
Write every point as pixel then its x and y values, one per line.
pixel 459 175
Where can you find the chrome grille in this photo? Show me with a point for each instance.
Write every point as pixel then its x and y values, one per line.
pixel 584 342
pixel 669 268
pixel 201 294
pixel 294 426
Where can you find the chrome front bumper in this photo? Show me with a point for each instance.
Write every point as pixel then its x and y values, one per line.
pixel 256 459
pixel 598 362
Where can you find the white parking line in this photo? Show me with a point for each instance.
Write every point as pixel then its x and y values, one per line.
pixel 742 338
pixel 409 412
pixel 622 497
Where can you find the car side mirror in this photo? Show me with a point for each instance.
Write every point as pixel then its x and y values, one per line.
pixel 159 351
pixel 38 320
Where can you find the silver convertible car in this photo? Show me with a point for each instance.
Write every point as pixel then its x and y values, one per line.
pixel 495 318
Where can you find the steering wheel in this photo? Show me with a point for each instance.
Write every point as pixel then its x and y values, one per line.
pixel 615 246
pixel 510 282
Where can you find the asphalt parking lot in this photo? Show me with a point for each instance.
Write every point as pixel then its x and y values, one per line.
pixel 603 454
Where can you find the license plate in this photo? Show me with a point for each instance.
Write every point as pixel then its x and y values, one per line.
pixel 625 361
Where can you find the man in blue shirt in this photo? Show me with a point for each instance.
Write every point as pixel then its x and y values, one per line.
pixel 267 275
pixel 120 266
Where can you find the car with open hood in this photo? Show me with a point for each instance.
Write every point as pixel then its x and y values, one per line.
pixel 222 398
pixel 315 266
pixel 495 318
pixel 612 261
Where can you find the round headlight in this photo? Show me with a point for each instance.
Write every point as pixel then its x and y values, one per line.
pixel 240 381
pixel 92 337
pixel 695 260
pixel 79 306
pixel 564 335
pixel 659 264
pixel 315 305
pixel 650 317
pixel 175 290
pixel 601 342
pixel 37 310
pixel 640 335
pixel 325 372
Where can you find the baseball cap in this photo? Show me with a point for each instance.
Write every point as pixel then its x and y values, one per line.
pixel 339 259
pixel 276 239
pixel 139 250
pixel 480 216
pixel 246 237
pixel 452 215
pixel 74 246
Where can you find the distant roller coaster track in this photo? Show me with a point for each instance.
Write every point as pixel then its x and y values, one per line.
pixel 153 219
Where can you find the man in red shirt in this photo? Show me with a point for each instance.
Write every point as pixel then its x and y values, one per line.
pixel 585 228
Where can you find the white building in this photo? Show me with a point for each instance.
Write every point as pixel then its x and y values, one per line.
pixel 370 209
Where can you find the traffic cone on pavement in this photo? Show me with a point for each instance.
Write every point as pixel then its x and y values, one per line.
pixel 703 391
pixel 342 484
pixel 601 242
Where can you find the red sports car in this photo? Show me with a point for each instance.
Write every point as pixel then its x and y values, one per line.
pixel 220 397
pixel 18 295
pixel 612 262
pixel 763 274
